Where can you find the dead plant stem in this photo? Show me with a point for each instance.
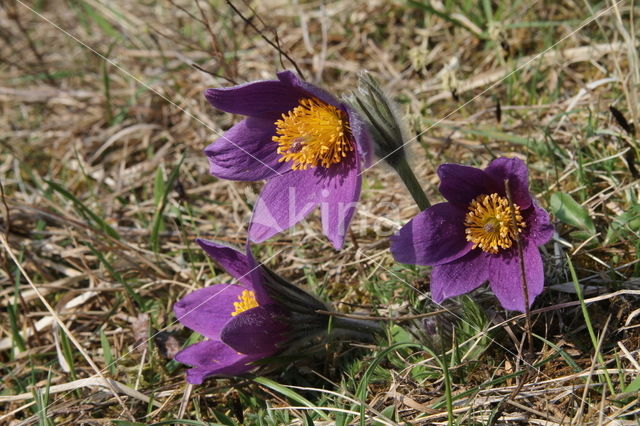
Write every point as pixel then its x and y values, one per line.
pixel 525 288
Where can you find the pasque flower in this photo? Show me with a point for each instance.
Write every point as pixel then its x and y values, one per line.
pixel 242 323
pixel 303 141
pixel 257 318
pixel 472 238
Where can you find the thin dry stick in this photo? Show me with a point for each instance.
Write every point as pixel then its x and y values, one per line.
pixel 184 402
pixel 5 262
pixel 90 382
pixel 213 74
pixel 215 44
pixel 510 397
pixel 218 50
pixel 7 226
pixel 15 16
pixel 377 318
pixel 525 288
pixel 578 417
pixel 524 378
pixel 62 325
pixel 265 38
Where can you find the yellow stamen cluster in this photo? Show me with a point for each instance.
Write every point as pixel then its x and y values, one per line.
pixel 313 134
pixel 247 300
pixel 490 223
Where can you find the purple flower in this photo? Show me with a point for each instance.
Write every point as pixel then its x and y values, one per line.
pixel 303 141
pixel 472 237
pixel 261 316
pixel 242 323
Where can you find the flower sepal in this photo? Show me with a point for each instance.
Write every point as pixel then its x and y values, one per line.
pixel 387 132
pixel 313 320
pixel 384 124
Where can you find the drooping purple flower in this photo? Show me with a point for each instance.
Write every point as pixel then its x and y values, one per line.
pixel 261 316
pixel 307 145
pixel 472 238
pixel 242 323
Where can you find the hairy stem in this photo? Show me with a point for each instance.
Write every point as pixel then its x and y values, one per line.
pixel 412 184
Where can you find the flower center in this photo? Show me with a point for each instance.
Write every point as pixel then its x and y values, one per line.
pixel 247 300
pixel 489 223
pixel 313 134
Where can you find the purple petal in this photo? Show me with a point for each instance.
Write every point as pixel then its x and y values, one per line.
pixel 361 136
pixel 515 170
pixel 285 200
pixel 256 331
pixel 340 194
pixel 262 296
pixel 207 310
pixel 290 79
pixel 246 152
pixel 232 260
pixel 461 184
pixel 539 228
pixel 460 276
pixel 213 358
pixel 433 237
pixel 505 277
pixel 263 99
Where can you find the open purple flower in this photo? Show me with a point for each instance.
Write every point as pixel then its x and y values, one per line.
pixel 303 141
pixel 472 238
pixel 261 316
pixel 242 323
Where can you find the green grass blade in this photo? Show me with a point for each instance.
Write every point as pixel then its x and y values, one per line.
pixel 361 392
pixel 41 399
pixel 106 353
pixel 158 187
pixel 178 422
pixel 157 217
pixel 430 9
pixel 634 386
pixel 84 210
pixel 568 359
pixel 100 21
pixel 67 353
pixel 587 320
pixel 17 339
pixel 289 393
pixel 130 291
pixel 565 208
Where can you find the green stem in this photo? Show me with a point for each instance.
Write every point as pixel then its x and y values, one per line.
pixel 447 385
pixel 412 184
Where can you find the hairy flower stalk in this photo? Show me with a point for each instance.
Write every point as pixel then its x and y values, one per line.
pixel 261 317
pixel 405 172
pixel 387 131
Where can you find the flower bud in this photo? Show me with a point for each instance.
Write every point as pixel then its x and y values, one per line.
pixel 385 126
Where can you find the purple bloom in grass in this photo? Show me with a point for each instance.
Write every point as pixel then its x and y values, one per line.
pixel 243 322
pixel 472 237
pixel 303 141
pixel 240 320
